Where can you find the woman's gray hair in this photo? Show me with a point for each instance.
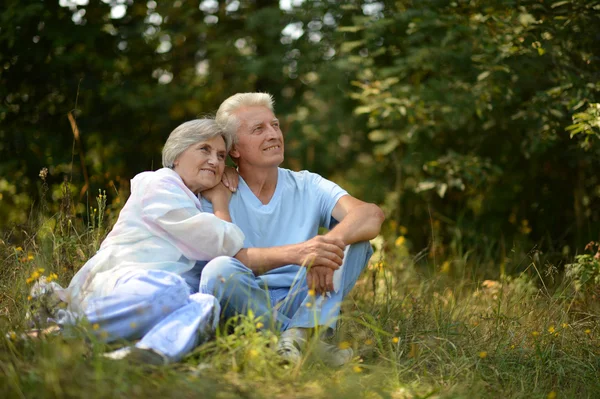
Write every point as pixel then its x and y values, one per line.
pixel 190 133
pixel 226 117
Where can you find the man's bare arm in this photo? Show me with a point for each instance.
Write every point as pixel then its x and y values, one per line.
pixel 358 220
pixel 319 251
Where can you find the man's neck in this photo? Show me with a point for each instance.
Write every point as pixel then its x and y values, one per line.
pixel 261 181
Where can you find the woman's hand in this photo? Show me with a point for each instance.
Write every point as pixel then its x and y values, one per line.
pixel 230 178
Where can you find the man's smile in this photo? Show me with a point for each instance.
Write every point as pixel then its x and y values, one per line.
pixel 273 147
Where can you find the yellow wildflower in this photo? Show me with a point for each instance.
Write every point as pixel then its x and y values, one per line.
pixel 29 297
pixel 588 331
pixel 369 342
pixel 30 257
pixel 525 229
pixel 551 329
pixel 252 353
pixel 445 267
pixel 18 249
pixel 395 340
pixel 403 230
pixel 312 292
pixel 259 325
pixel 535 333
pixel 400 241
pixel 552 395
pixel 483 354
pixel 95 326
pixel 565 325
pixel 41 270
pixel 357 369
pixel 344 345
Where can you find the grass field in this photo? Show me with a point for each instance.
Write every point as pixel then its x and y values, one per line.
pixel 420 328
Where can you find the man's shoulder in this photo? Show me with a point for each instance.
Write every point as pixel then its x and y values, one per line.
pixel 301 177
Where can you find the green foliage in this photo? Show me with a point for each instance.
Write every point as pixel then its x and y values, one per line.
pixel 586 123
pixel 475 117
pixel 585 271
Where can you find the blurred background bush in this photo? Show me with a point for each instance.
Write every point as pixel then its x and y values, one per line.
pixel 473 123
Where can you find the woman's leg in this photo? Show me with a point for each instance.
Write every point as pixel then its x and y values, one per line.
pixel 184 329
pixel 140 300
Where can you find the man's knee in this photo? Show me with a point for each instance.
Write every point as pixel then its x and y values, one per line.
pixel 221 272
pixel 360 253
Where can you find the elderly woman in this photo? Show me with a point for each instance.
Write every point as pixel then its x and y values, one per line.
pixel 132 288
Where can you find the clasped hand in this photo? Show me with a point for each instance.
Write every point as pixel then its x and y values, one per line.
pixel 322 255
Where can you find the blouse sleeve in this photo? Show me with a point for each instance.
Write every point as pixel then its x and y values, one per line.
pixel 170 212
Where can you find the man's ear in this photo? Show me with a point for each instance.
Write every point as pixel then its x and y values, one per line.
pixel 234 153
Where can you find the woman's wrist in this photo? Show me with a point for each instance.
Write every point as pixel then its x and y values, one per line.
pixel 221 210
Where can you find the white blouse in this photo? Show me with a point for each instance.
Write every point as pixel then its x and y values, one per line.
pixel 161 227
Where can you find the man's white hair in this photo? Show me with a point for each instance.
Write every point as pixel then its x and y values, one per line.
pixel 190 133
pixel 226 118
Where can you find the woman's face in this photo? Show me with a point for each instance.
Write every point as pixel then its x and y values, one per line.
pixel 201 165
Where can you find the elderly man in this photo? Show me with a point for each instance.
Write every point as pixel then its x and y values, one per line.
pixel 287 274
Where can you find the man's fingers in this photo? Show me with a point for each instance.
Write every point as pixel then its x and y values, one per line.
pixel 335 258
pixel 336 250
pixel 322 283
pixel 309 279
pixel 327 263
pixel 335 241
pixel 329 281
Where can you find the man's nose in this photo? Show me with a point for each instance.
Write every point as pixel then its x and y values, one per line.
pixel 272 132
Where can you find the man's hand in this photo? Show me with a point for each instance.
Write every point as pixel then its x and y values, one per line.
pixel 230 178
pixel 320 279
pixel 321 251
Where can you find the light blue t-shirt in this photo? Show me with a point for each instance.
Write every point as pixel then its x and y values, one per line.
pixel 302 202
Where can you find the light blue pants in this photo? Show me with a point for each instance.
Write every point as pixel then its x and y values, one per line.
pixel 157 307
pixel 238 291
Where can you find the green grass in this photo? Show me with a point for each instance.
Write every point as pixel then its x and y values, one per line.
pixel 426 330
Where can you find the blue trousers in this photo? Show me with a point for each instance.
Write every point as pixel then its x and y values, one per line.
pixel 239 290
pixel 156 307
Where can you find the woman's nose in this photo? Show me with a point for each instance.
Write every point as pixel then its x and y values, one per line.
pixel 212 160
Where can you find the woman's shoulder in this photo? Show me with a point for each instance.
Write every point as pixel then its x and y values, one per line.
pixel 162 177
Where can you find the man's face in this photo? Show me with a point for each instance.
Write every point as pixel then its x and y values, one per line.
pixel 260 141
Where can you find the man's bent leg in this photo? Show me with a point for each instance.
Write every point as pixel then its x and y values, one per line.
pixel 237 290
pixel 323 311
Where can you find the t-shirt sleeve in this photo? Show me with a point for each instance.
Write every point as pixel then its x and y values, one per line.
pixel 170 213
pixel 328 194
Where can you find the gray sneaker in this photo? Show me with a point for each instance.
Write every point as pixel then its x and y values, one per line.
pixel 291 344
pixel 138 356
pixel 333 356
